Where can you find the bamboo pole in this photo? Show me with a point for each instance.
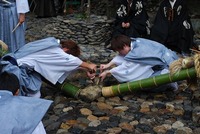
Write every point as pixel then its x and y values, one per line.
pixel 69 89
pixel 148 82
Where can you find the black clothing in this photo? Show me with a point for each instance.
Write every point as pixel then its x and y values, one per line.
pixel 45 8
pixel 136 15
pixel 172 26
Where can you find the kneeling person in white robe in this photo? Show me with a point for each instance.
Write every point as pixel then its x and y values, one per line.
pixel 138 59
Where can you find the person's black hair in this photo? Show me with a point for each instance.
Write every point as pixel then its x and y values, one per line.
pixel 118 42
pixel 73 47
pixel 9 81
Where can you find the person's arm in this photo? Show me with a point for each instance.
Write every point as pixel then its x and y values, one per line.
pixel 106 66
pixel 117 60
pixel 104 74
pixel 88 66
pixel 90 69
pixel 22 8
pixel 21 18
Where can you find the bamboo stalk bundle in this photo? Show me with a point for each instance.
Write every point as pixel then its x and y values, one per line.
pixel 148 82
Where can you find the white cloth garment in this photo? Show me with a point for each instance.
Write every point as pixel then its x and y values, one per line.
pixel 52 63
pixel 22 6
pixel 172 3
pixel 39 129
pixel 129 71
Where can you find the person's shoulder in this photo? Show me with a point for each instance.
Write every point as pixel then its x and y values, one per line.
pixel 137 39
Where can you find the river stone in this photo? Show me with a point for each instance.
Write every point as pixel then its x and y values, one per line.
pixel 90 93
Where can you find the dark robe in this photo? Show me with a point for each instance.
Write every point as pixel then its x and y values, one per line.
pixel 45 8
pixel 172 27
pixel 137 17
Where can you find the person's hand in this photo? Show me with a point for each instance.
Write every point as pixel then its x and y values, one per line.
pixel 92 68
pixel 103 75
pixel 103 67
pixel 91 75
pixel 21 18
pixel 127 25
pixel 123 24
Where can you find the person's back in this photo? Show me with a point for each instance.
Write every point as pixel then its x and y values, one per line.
pixel 19 115
pixel 172 26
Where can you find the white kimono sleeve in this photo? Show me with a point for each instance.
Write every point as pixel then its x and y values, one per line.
pixel 118 60
pixel 22 6
pixel 129 71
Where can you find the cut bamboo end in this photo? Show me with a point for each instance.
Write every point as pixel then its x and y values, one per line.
pixel 107 91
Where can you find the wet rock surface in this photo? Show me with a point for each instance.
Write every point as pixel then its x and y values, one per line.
pixel 140 112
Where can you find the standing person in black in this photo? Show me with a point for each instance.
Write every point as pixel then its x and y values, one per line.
pixel 45 8
pixel 172 26
pixel 131 19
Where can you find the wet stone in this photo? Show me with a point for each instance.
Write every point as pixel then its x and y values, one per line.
pixel 160 105
pixel 145 128
pixel 53 126
pixel 138 115
pixel 171 131
pixel 177 124
pixel 99 113
pixel 75 130
pixel 187 112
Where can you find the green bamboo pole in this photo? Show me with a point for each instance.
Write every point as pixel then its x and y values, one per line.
pixel 148 83
pixel 69 89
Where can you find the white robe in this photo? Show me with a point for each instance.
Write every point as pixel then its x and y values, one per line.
pixel 22 6
pixel 127 71
pixel 52 63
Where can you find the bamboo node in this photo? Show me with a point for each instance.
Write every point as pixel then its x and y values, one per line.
pixel 129 87
pixel 140 84
pixel 118 88
pixel 154 81
pixel 170 78
pixel 63 86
